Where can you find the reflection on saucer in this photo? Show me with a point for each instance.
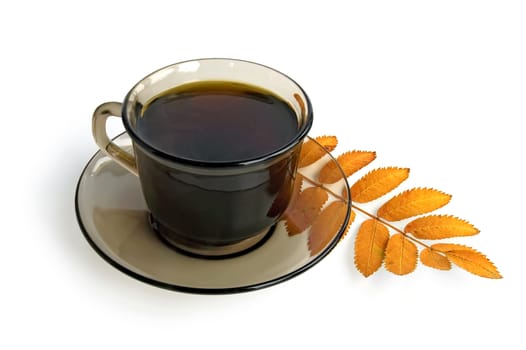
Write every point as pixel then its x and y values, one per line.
pixel 136 245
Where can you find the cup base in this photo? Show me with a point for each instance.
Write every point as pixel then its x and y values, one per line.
pixel 195 249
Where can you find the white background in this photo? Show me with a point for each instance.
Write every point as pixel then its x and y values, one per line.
pixel 438 86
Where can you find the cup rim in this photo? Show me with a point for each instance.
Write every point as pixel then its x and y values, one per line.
pixel 301 134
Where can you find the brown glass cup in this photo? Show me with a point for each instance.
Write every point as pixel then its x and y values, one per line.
pixel 209 208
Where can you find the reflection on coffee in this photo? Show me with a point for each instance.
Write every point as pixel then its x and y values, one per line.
pixel 217 122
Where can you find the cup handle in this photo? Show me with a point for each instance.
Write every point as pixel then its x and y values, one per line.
pixel 101 114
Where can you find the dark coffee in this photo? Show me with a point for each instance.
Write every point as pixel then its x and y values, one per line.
pixel 217 122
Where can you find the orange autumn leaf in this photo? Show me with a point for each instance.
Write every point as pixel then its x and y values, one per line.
pixel 296 189
pixel 304 209
pixel 369 246
pixel 345 195
pixel 312 152
pixel 440 226
pixel 282 199
pixel 378 182
pixel 328 142
pixel 413 202
pixel 350 162
pixel 326 226
pixel 468 259
pixel 351 220
pixel 435 260
pixel 400 255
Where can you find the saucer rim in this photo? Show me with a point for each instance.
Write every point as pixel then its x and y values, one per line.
pixel 210 291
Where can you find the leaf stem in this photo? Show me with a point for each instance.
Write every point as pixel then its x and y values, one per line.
pixel 389 224
pixel 316 183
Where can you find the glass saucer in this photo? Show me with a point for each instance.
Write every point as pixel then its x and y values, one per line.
pixel 113 217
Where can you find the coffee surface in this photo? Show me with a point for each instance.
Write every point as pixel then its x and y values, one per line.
pixel 217 122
